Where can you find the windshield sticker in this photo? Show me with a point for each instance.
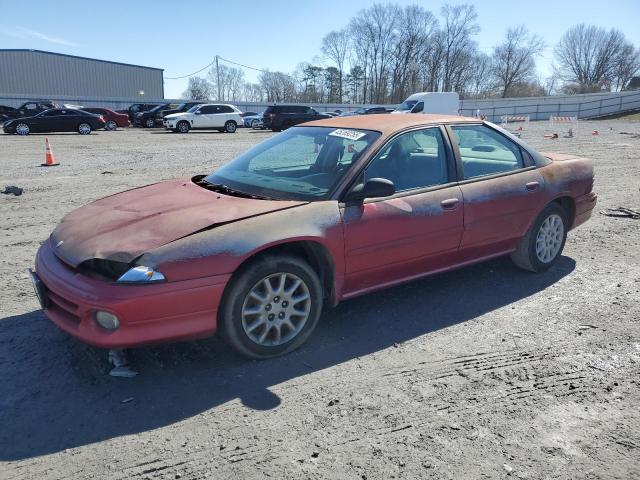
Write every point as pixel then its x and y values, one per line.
pixel 348 134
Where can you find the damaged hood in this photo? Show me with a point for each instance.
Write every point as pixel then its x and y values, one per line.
pixel 124 226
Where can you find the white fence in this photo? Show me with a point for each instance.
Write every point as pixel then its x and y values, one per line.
pixel 542 108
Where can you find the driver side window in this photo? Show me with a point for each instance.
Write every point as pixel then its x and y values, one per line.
pixel 412 160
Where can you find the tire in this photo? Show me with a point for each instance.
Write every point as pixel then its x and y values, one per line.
pixel 22 129
pixel 275 315
pixel 254 124
pixel 149 123
pixel 183 127
pixel 84 128
pixel 230 126
pixel 541 247
pixel 110 126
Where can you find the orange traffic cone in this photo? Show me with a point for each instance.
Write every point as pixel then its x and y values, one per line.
pixel 49 159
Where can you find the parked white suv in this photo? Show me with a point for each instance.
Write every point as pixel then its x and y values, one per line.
pixel 219 116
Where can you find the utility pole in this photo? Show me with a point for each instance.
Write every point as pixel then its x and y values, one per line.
pixel 218 78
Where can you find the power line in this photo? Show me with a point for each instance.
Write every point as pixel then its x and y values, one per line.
pixel 211 63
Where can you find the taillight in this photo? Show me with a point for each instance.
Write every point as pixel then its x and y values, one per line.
pixel 101 118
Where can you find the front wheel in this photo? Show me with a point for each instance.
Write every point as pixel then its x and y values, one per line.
pixel 84 129
pixel 183 126
pixel 150 123
pixel 230 126
pixel 22 129
pixel 542 245
pixel 271 307
pixel 110 126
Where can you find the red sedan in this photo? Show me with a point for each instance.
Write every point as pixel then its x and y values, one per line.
pixel 320 213
pixel 113 119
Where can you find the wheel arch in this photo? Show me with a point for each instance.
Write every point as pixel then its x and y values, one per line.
pixel 311 251
pixel 569 206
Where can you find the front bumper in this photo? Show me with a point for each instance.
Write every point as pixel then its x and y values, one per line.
pixel 155 313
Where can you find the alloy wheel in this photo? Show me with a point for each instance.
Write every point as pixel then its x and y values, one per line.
pixel 549 238
pixel 276 309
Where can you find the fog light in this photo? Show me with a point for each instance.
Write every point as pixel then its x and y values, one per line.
pixel 107 320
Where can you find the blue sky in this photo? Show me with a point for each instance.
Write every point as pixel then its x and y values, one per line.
pixel 182 37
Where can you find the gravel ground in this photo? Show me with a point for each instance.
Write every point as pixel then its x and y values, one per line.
pixel 485 372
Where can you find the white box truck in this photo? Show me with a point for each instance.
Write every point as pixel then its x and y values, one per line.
pixel 447 103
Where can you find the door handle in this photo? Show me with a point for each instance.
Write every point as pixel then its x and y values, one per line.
pixel 531 186
pixel 450 203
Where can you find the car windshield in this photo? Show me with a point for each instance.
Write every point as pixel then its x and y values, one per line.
pixel 180 107
pixel 302 163
pixel 406 105
pixel 194 108
pixel 361 110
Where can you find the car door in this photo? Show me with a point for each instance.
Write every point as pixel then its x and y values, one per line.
pixel 45 121
pixel 415 231
pixel 502 189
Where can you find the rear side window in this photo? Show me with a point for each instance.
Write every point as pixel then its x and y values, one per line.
pixel 208 109
pixel 226 109
pixel 485 152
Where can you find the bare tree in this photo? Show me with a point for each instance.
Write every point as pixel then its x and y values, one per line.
pixel 480 83
pixel 627 65
pixel 587 55
pixel 514 58
pixel 197 89
pixel 278 86
pixel 231 82
pixel 335 45
pixel 456 42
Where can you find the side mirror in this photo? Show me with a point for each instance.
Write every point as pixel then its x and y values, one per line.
pixel 373 188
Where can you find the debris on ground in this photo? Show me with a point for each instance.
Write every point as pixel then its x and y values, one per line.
pixel 622 212
pixel 586 327
pixel 121 368
pixel 12 190
pixel 633 135
pixel 127 400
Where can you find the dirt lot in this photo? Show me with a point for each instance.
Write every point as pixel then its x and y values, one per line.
pixel 486 372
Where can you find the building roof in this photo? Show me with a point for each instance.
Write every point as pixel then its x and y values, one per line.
pixel 75 56
pixel 388 123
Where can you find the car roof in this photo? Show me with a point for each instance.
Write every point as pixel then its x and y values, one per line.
pixel 388 124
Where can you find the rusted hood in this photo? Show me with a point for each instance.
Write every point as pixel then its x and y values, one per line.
pixel 123 226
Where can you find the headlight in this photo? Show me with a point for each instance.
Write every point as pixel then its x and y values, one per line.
pixel 141 274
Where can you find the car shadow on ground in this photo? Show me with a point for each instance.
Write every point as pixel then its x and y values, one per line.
pixel 56 393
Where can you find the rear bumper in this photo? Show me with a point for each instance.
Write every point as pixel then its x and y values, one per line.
pixel 148 314
pixel 584 205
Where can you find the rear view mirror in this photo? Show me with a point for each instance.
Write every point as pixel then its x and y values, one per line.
pixel 373 188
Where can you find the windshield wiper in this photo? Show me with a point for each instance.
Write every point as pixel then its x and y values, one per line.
pixel 226 189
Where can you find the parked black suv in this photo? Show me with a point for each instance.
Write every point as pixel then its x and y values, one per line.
pixel 148 118
pixel 182 107
pixel 28 109
pixel 135 108
pixel 281 117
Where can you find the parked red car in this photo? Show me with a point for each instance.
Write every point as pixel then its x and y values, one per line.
pixel 320 213
pixel 113 119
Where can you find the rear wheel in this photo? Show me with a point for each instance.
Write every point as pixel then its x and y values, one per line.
pixel 22 129
pixel 254 123
pixel 230 126
pixel 84 129
pixel 271 307
pixel 110 125
pixel 183 126
pixel 542 245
